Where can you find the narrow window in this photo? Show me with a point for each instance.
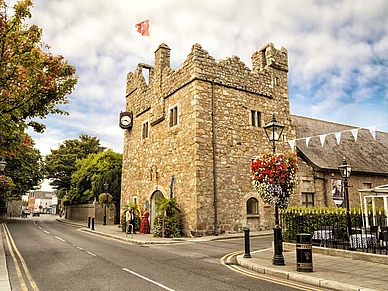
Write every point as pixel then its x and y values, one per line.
pixel 308 199
pixel 366 185
pixel 173 116
pixel 252 206
pixel 255 118
pixel 145 132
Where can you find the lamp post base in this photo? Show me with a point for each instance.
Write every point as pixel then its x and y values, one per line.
pixel 278 258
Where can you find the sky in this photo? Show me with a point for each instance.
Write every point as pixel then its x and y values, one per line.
pixel 337 50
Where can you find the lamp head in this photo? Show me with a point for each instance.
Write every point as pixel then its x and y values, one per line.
pixel 274 129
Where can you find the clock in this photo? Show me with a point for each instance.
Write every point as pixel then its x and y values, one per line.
pixel 126 119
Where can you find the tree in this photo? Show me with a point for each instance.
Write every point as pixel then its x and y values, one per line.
pixel 32 80
pixel 92 173
pixel 61 163
pixel 25 169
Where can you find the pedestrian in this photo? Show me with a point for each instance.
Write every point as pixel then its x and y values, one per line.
pixel 130 219
pixel 145 224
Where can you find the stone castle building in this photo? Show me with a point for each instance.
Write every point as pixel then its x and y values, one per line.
pixel 193 131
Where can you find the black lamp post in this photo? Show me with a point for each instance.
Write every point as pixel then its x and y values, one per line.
pixel 345 171
pixel 274 131
pixel 106 197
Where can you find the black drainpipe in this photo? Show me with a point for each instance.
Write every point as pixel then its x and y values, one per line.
pixel 214 164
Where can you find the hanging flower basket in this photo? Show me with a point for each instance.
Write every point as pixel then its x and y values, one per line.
pixel 5 183
pixel 274 177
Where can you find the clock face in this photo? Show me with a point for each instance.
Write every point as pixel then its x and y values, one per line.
pixel 125 120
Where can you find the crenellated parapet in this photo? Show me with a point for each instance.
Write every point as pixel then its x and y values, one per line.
pixel 269 68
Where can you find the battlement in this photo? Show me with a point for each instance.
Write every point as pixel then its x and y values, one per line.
pixel 268 64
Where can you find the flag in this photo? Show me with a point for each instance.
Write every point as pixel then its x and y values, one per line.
pixel 143 28
pixel 138 203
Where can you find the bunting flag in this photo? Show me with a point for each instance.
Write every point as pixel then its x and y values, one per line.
pixel 307 141
pixel 372 131
pixel 355 132
pixel 338 137
pixel 291 143
pixel 322 138
pixel 143 28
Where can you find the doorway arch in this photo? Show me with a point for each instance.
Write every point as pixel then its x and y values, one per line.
pixel 154 199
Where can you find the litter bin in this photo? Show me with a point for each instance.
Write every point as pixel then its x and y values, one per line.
pixel 304 254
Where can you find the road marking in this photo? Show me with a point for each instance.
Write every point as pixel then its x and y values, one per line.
pixel 15 262
pixel 80 248
pixel 225 260
pixel 91 254
pixel 46 231
pixel 11 244
pixel 57 237
pixel 39 227
pixel 149 280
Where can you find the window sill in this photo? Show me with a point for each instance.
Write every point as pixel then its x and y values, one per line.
pixel 253 216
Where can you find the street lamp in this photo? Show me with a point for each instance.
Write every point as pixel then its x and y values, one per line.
pixel 3 163
pixel 345 171
pixel 274 131
pixel 106 197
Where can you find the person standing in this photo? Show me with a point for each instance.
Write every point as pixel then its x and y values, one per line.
pixel 145 224
pixel 130 220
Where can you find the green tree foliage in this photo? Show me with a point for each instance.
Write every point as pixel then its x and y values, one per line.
pixel 61 163
pixel 33 82
pixel 87 182
pixel 25 169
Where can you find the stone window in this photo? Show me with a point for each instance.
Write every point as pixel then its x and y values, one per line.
pixel 145 130
pixel 276 81
pixel 252 206
pixel 307 199
pixel 366 185
pixel 173 116
pixel 255 118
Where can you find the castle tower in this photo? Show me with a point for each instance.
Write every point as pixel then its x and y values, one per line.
pixel 195 131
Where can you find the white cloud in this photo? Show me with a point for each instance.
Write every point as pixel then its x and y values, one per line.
pixel 338 53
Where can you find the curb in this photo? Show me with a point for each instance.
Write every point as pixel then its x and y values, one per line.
pixel 292 276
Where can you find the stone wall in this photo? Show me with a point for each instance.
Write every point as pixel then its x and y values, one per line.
pixel 210 149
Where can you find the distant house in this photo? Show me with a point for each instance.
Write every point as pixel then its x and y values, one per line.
pixel 40 201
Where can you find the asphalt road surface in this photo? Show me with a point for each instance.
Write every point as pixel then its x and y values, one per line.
pixel 44 254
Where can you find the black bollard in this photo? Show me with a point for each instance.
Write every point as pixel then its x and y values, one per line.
pixel 92 223
pixel 89 222
pixel 247 248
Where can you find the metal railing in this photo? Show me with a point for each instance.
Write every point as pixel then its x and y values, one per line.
pixel 368 233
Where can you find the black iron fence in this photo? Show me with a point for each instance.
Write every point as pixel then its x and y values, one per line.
pixel 367 233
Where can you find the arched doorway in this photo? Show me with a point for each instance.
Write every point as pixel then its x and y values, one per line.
pixel 154 198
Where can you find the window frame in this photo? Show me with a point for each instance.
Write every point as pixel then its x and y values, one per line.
pixel 173 116
pixel 305 202
pixel 255 118
pixel 145 130
pixel 252 206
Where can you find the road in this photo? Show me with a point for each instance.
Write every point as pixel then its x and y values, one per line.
pixel 49 255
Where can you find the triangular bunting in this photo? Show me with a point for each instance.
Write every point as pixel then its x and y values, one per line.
pixel 291 143
pixel 355 132
pixel 307 141
pixel 322 138
pixel 338 137
pixel 372 131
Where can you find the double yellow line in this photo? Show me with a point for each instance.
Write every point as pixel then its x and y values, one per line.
pixel 12 250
